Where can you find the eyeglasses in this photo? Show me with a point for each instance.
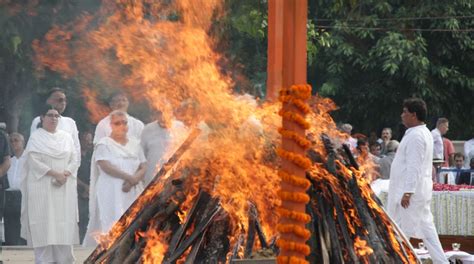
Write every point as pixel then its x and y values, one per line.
pixel 53 115
pixel 120 123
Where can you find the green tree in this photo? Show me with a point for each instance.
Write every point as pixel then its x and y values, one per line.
pixel 370 55
pixel 20 24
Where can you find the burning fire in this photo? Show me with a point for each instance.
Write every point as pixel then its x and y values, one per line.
pixel 161 52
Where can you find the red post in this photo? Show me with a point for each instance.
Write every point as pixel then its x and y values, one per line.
pixel 287 45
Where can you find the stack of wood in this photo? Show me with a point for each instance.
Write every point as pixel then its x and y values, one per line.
pixel 348 223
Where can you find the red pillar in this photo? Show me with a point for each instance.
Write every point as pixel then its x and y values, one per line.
pixel 287 67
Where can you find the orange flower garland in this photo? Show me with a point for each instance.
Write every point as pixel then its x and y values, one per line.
pixel 297 216
pixel 296 95
pixel 303 142
pixel 297 118
pixel 299 160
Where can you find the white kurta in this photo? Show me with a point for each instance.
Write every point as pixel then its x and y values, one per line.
pixel 103 129
pixel 66 124
pixel 438 147
pixel 159 144
pixel 49 214
pixel 14 172
pixel 107 201
pixel 468 152
pixel 411 173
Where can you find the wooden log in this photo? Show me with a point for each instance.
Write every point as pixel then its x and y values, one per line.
pixel 201 201
pixel 216 246
pixel 235 251
pixel 250 234
pixel 196 233
pixel 191 258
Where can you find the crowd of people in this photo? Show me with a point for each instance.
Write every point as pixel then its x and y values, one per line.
pixel 449 166
pixel 411 167
pixel 64 188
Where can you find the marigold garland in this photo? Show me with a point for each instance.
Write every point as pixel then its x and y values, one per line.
pixel 290 260
pixel 297 118
pixel 294 215
pixel 302 91
pixel 300 104
pixel 295 95
pixel 290 228
pixel 303 142
pixel 293 246
pixel 299 197
pixel 294 180
pixel 297 159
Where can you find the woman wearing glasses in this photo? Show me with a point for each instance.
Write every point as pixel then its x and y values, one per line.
pixel 117 171
pixel 48 185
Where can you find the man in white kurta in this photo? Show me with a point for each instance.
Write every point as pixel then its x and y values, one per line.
pixel 107 200
pixel 57 98
pixel 49 212
pixel 159 143
pixel 411 185
pixel 120 102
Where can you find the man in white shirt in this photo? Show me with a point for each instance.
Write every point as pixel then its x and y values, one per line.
pixel 468 151
pixel 442 127
pixel 13 194
pixel 159 140
pixel 57 99
pixel 411 185
pixel 118 101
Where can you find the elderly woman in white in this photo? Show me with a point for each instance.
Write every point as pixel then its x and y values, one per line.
pixel 117 171
pixel 49 205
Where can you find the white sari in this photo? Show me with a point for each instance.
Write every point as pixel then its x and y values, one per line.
pixel 107 201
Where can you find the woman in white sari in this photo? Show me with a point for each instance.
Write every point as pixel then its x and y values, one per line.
pixel 117 172
pixel 48 184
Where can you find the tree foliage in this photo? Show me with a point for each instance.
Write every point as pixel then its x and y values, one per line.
pixel 370 55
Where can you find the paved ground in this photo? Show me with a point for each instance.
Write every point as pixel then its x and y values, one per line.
pixel 23 255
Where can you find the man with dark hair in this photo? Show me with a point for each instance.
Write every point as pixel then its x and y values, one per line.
pixel 386 136
pixel 467 177
pixel 442 127
pixel 411 185
pixel 57 99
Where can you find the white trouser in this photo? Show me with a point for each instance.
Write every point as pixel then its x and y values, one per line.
pixel 61 254
pixel 432 243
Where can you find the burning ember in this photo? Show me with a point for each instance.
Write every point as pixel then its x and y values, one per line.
pixel 216 199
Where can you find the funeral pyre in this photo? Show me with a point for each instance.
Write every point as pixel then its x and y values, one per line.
pixel 217 197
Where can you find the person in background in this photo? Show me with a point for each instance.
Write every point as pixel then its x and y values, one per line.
pixel 117 170
pixel 467 177
pixel 118 101
pixel 468 151
pixel 352 142
pixel 13 193
pixel 451 177
pixel 375 149
pixel 57 99
pixel 442 127
pixel 385 162
pixel 411 184
pixel 448 152
pixel 159 140
pixel 49 191
pixel 4 167
pixel 386 136
pixel 83 179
